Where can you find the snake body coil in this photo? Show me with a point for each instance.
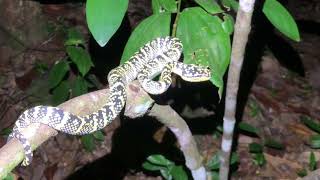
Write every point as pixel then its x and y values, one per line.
pixel 157 56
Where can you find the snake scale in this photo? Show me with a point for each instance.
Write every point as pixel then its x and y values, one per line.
pixel 159 56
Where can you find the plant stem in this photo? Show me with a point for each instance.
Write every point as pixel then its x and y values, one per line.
pixel 240 38
pixel 175 24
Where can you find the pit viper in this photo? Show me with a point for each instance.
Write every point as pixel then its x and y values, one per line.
pixel 159 56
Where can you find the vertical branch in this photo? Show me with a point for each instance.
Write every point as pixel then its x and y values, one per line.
pixel 172 120
pixel 175 24
pixel 240 38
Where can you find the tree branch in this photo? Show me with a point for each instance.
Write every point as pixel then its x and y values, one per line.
pixel 167 116
pixel 240 38
pixel 11 154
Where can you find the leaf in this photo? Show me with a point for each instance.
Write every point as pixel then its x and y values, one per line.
pixel 310 123
pixel 312 162
pixel 166 174
pixel 81 58
pixel 57 73
pixel 60 93
pixel 255 148
pixel 80 86
pixel 98 135
pixel 10 176
pixel 156 7
pixel 152 167
pixel 228 23
pixel 302 172
pixel 214 162
pixel 88 142
pixel 159 159
pixel 248 128
pixel 5 131
pixel 160 25
pixel 259 159
pixel 74 38
pixel 169 5
pixel 104 18
pixel 281 19
pixel 210 5
pixel 205 42
pixel 230 4
pixel 271 143
pixel 178 173
pixel 315 141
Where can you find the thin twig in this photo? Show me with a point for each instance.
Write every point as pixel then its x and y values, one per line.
pixel 175 24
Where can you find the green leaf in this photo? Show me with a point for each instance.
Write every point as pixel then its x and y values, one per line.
pixel 272 143
pixel 152 167
pixel 259 159
pixel 166 174
pixel 6 131
pixel 214 175
pixel 80 86
pixel 60 93
pixel 159 159
pixel 230 4
pixel 98 135
pixel 88 142
pixel 228 23
pixel 160 25
pixel 255 148
pixel 74 38
pixel 248 128
pixel 10 176
pixel 310 123
pixel 156 7
pixel 302 172
pixel 315 141
pixel 210 5
pixel 312 162
pixel 57 73
pixel 169 5
pixel 205 42
pixel 281 19
pixel 214 162
pixel 178 173
pixel 104 18
pixel 81 58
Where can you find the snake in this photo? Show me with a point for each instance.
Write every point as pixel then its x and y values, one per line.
pixel 159 56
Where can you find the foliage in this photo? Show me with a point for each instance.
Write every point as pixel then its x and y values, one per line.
pixel 167 168
pixel 214 163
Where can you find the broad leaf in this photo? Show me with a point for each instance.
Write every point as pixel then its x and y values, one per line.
pixel 88 142
pixel 228 23
pixel 160 25
pixel 60 93
pixel 311 123
pixel 75 38
pixel 248 128
pixel 159 159
pixel 210 5
pixel 80 86
pixel 281 19
pixel 230 4
pixel 312 162
pixel 271 143
pixel 98 135
pixel 104 18
pixel 57 73
pixel 81 58
pixel 152 167
pixel 205 42
pixel 255 148
pixel 178 173
pixel 315 141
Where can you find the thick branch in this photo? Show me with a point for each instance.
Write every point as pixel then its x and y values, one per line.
pixel 240 38
pixel 167 116
pixel 11 154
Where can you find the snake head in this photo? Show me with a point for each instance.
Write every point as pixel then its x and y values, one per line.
pixel 192 72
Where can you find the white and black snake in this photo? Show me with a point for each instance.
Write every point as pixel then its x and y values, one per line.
pixel 160 55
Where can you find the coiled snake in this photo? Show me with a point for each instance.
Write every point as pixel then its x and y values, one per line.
pixel 160 55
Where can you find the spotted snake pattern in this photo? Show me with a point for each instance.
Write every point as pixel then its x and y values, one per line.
pixel 159 56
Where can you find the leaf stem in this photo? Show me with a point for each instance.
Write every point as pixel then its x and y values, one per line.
pixel 175 24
